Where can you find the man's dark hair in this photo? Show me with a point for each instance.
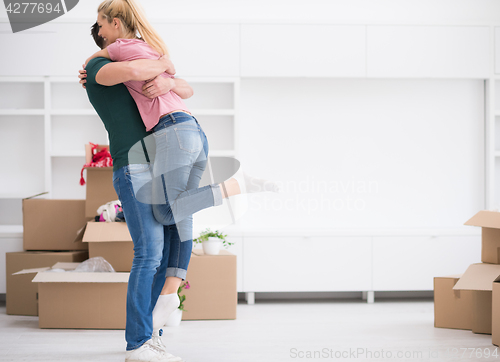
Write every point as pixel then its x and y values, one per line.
pixel 94 31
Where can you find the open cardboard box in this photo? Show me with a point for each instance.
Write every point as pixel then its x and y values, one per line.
pixel 99 180
pixel 22 294
pixel 50 224
pixel 479 279
pixel 452 308
pixel 489 221
pixel 81 300
pixel 112 241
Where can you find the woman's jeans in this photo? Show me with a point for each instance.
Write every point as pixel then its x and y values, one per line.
pixel 158 253
pixel 179 163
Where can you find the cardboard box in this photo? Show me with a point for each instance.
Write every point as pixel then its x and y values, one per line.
pixel 99 182
pixel 21 293
pixel 479 279
pixel 112 241
pixel 213 292
pixel 495 318
pixel 81 300
pixel 53 224
pixel 489 221
pixel 452 308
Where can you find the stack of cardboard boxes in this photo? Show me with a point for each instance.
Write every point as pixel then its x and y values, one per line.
pixel 472 300
pixel 97 300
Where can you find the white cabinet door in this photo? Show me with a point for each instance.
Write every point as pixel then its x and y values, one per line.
pixel 302 50
pixel 203 50
pixel 237 249
pixel 412 262
pixel 297 264
pixel 428 51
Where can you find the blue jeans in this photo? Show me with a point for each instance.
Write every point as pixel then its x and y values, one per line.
pixel 179 162
pixel 158 253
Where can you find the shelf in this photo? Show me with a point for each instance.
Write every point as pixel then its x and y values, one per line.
pixel 22 112
pixel 68 154
pixel 72 112
pixel 497 153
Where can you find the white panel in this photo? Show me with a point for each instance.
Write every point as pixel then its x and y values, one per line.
pixel 428 51
pixel 411 263
pixel 7 245
pixel 202 49
pixel 302 51
pixel 497 50
pixel 21 95
pixel 273 264
pixel 365 153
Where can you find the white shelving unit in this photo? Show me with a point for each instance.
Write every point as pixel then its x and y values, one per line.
pixel 57 113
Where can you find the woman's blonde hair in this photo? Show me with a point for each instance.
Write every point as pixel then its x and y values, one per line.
pixel 134 21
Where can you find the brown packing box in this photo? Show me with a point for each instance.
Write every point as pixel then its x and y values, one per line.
pixel 479 279
pixel 21 293
pixel 212 294
pixel 81 300
pixel 489 221
pixel 99 182
pixel 452 308
pixel 112 241
pixel 53 224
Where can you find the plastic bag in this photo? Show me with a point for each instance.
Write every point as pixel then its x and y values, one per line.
pixel 95 265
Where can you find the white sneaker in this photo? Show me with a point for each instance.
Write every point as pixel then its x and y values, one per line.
pixel 158 342
pixel 148 352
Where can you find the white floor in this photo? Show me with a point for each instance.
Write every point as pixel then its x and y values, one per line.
pixel 268 331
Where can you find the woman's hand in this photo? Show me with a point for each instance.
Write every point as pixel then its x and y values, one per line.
pixel 158 86
pixel 169 66
pixel 83 76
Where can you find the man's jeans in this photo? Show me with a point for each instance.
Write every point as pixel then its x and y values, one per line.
pixel 158 253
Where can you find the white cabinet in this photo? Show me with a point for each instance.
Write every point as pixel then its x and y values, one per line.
pixel 411 262
pixel 301 264
pixel 271 50
pixel 428 51
pixel 11 240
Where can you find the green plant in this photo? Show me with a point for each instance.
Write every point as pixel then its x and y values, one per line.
pixel 182 298
pixel 213 234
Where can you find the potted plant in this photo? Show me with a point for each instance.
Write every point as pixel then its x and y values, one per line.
pixel 175 318
pixel 212 241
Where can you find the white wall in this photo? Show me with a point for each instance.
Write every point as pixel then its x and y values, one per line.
pixel 332 11
pixel 364 153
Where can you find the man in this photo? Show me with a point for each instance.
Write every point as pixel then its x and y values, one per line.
pixel 160 259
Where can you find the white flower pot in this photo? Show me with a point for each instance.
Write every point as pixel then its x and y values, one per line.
pixel 212 246
pixel 174 319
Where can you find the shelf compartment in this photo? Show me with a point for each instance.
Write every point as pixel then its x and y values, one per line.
pixel 69 96
pixel 21 96
pixel 211 96
pixel 66 178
